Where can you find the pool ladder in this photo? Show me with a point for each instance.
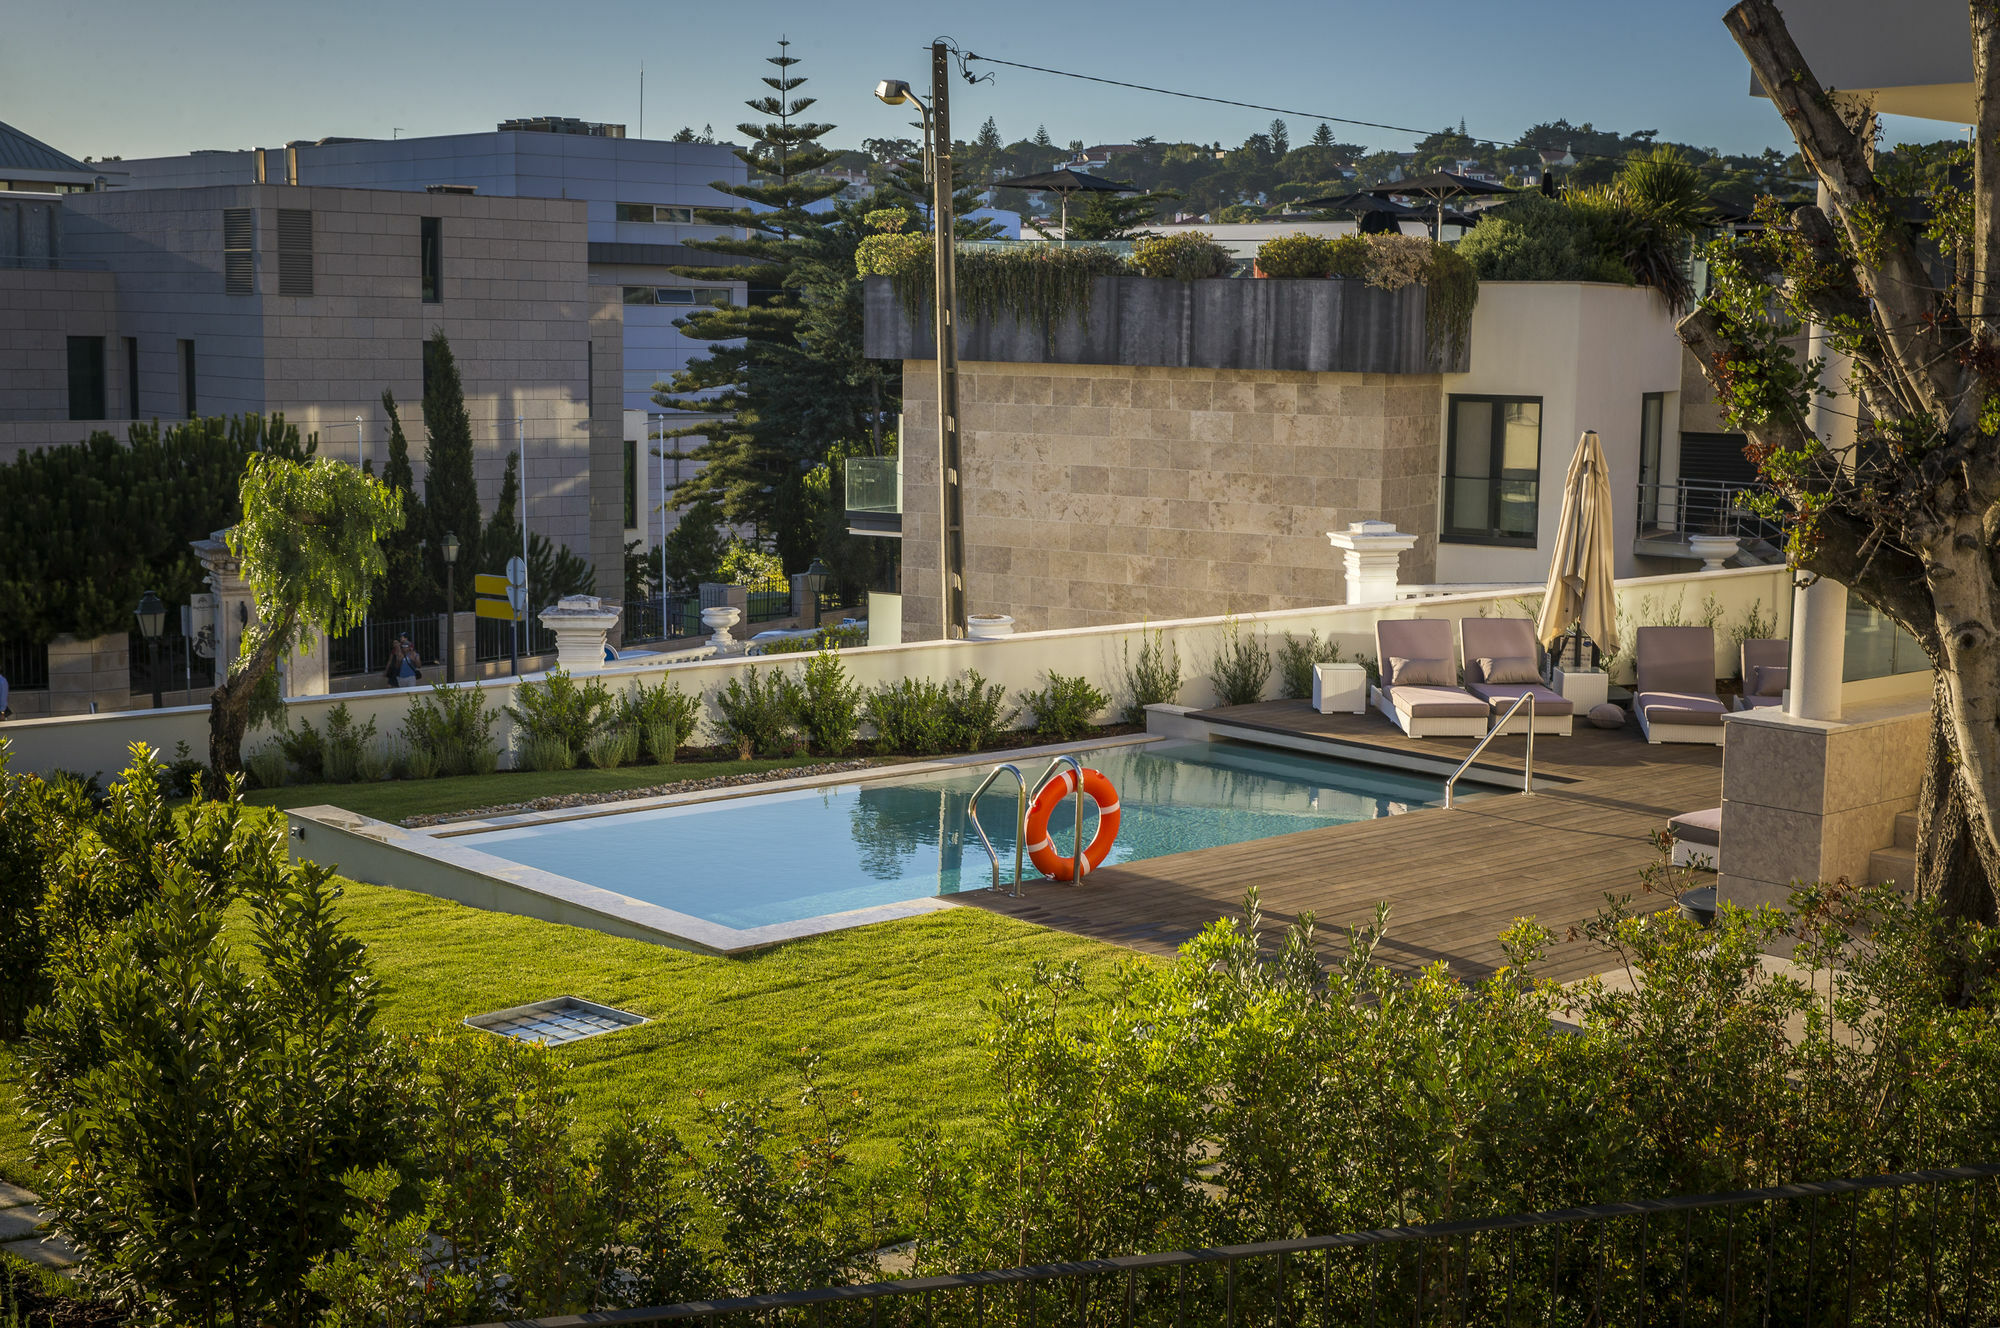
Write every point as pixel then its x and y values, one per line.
pixel 1022 797
pixel 1527 764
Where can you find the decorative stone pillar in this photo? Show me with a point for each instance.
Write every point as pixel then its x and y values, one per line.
pixel 1819 649
pixel 581 624
pixel 1373 550
pixel 235 606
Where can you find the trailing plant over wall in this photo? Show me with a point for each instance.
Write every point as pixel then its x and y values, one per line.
pixel 1031 283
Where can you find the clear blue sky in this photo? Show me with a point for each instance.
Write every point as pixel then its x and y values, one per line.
pixel 146 77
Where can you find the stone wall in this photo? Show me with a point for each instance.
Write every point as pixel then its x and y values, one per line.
pixel 1099 494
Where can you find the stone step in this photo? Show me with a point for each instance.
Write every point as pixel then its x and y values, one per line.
pixel 1906 830
pixel 1893 864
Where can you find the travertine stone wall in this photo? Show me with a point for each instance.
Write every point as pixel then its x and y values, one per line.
pixel 1099 494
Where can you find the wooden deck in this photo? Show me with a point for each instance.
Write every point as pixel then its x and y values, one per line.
pixel 1453 879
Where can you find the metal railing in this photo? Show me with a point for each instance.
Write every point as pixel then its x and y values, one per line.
pixel 182 667
pixel 662 619
pixel 1527 765
pixel 768 599
pixel 1702 507
pixel 493 639
pixel 1915 1248
pixel 365 650
pixel 1076 853
pixel 1020 821
pixel 25 665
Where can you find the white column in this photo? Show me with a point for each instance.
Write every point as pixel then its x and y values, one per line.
pixel 1372 551
pixel 1819 649
pixel 581 624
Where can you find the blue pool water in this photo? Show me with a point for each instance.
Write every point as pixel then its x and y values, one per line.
pixel 780 857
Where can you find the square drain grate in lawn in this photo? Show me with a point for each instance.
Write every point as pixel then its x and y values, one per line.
pixel 554 1022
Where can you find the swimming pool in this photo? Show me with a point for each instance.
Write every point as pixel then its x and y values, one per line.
pixel 769 859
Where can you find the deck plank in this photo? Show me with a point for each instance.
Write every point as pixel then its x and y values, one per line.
pixel 1453 880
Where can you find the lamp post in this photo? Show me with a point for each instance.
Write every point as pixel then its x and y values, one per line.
pixel 152 616
pixel 937 160
pixel 816 578
pixel 450 609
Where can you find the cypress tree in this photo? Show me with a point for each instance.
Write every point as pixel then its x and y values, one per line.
pixel 451 490
pixel 407 585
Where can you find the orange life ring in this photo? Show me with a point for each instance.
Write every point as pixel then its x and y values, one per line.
pixel 1059 866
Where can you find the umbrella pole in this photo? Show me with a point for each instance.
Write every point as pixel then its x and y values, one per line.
pixel 1065 219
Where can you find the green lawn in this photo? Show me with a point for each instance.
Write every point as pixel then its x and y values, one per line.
pixel 396 799
pixel 13 1123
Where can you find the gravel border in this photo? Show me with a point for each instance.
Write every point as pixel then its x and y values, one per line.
pixel 563 801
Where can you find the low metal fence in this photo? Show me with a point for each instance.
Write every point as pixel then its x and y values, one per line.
pixel 769 599
pixel 366 649
pixel 656 619
pixel 1918 1248
pixel 25 665
pixel 181 667
pixel 1704 507
pixel 493 639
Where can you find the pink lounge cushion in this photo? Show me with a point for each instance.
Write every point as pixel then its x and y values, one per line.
pixel 1421 672
pixel 1702 827
pixel 1771 680
pixel 1679 708
pixel 1437 703
pixel 1509 669
pixel 1502 695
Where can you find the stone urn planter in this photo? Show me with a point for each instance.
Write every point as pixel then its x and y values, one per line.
pixel 988 626
pixel 719 620
pixel 1714 550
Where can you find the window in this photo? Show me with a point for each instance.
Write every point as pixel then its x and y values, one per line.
pixel 682 295
pixel 1652 420
pixel 188 398
pixel 239 256
pixel 656 214
pixel 430 256
pixel 631 484
pixel 295 251
pixel 131 378
pixel 1493 467
pixel 86 378
pixel 590 379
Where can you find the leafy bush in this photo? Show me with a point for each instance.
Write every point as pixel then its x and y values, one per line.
pixel 830 637
pixel 420 763
pixel 1189 256
pixel 829 705
pixel 556 711
pixel 343 743
pixel 184 773
pixel 909 717
pixel 1348 256
pixel 1063 710
pixel 744 564
pixel 974 713
pixel 612 746
pixel 376 762
pixel 268 766
pixel 663 715
pixel 1155 679
pixel 1241 666
pixel 1296 256
pixel 1296 657
pixel 1044 284
pixel 757 713
pixel 452 728
pixel 541 752
pixel 303 749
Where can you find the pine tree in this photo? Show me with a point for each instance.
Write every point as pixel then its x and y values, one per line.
pixel 986 151
pixel 1322 136
pixel 1042 139
pixel 502 537
pixel 407 586
pixel 752 466
pixel 1281 138
pixel 451 490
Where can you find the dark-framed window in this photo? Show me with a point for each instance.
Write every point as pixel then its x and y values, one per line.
pixel 86 378
pixel 430 247
pixel 132 378
pixel 631 484
pixel 1492 470
pixel 189 399
pixel 1652 434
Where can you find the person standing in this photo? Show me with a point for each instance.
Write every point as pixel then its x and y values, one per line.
pixel 402 670
pixel 5 711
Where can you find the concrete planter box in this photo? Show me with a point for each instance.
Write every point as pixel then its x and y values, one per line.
pixel 1330 326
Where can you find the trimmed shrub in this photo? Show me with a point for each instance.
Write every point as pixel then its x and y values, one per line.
pixel 1155 679
pixel 1190 256
pixel 663 715
pixel 757 713
pixel 1347 256
pixel 557 710
pixel 973 712
pixel 1296 657
pixel 420 762
pixel 1296 256
pixel 1241 667
pixel 909 717
pixel 303 750
pixel 829 705
pixel 450 725
pixel 268 765
pixel 541 752
pixel 342 744
pixel 613 746
pixel 1063 710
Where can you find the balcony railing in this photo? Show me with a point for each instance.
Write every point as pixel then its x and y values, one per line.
pixel 874 495
pixel 1671 513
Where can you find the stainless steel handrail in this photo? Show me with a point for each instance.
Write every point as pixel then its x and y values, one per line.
pixel 1527 766
pixel 1020 821
pixel 1076 857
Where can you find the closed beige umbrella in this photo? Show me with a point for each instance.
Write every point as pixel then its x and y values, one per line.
pixel 1580 574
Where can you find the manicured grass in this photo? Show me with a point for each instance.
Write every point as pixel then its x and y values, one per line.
pixel 396 799
pixel 14 1127
pixel 893 1009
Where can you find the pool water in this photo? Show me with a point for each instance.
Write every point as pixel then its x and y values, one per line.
pixel 781 857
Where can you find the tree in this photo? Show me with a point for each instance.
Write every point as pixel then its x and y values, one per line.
pixel 309 546
pixel 502 538
pixel 1042 139
pixel 407 584
pixel 1322 136
pixel 1281 138
pixel 986 150
pixel 451 488
pixel 1904 514
pixel 695 546
pixel 1115 216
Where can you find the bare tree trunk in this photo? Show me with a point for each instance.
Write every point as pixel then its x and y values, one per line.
pixel 229 708
pixel 1956 862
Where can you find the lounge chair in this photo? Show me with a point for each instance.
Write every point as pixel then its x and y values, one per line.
pixel 1503 660
pixel 1676 701
pixel 1419 691
pixel 1767 673
pixel 1698 839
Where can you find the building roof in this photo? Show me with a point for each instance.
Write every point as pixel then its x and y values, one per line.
pixel 19 152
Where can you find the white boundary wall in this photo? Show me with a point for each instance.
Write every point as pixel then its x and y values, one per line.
pixel 98 743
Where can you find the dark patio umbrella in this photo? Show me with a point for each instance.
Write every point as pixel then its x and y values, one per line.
pixel 1358 203
pixel 1062 184
pixel 1437 187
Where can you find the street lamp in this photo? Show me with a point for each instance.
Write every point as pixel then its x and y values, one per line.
pixel 152 616
pixel 816 578
pixel 944 322
pixel 450 607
